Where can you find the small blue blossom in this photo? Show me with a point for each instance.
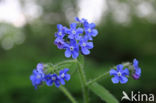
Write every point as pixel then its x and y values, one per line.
pixel 61 31
pixel 36 78
pixel 74 32
pixel 72 49
pixel 59 42
pixel 52 78
pixel 40 67
pixel 64 76
pixel 85 46
pixel 119 74
pixel 137 69
pixel 90 31
pixel 82 21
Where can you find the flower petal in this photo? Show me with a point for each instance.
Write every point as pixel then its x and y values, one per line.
pixel 73 25
pixel 90 45
pixel 59 26
pixel 61 71
pixel 72 42
pixel 135 62
pixel 123 79
pixel 84 21
pixel 94 32
pixel 77 19
pixel 67 77
pixel 35 72
pixel 71 36
pixel 38 81
pixel 67 53
pixel 125 72
pixel 115 80
pixel 113 72
pixel 49 83
pixel 85 51
pixel 135 76
pixel 40 67
pixel 92 25
pixel 66 70
pixel 119 67
pixel 77 37
pixel 62 81
pixel 75 54
pixel 32 77
pixel 57 83
pixel 79 30
pixel 138 71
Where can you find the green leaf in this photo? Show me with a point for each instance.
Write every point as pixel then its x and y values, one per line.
pixel 102 93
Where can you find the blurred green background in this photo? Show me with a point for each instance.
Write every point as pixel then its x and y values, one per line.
pixel 127 30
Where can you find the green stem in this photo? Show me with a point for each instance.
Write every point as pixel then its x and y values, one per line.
pixel 98 78
pixel 106 74
pixel 83 82
pixel 64 62
pixel 67 93
pixel 53 68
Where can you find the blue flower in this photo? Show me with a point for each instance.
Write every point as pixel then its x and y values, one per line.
pixel 61 31
pixel 52 78
pixel 59 42
pixel 90 31
pixel 74 32
pixel 85 46
pixel 36 78
pixel 82 21
pixel 72 49
pixel 119 74
pixel 40 67
pixel 137 69
pixel 64 76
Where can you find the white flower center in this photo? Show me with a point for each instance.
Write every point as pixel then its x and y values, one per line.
pixel 89 30
pixel 62 75
pixel 84 44
pixel 119 73
pixel 53 78
pixel 73 32
pixel 71 48
pixel 60 33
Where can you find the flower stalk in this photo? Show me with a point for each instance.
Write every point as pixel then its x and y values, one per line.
pixel 67 93
pixel 106 74
pixel 83 82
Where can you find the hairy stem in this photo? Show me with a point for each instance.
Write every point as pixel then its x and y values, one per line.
pixel 98 78
pixel 54 68
pixel 67 93
pixel 105 74
pixel 64 62
pixel 83 82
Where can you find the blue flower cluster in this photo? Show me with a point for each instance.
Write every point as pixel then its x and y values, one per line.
pixel 120 75
pixel 58 80
pixel 76 38
pixel 39 76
